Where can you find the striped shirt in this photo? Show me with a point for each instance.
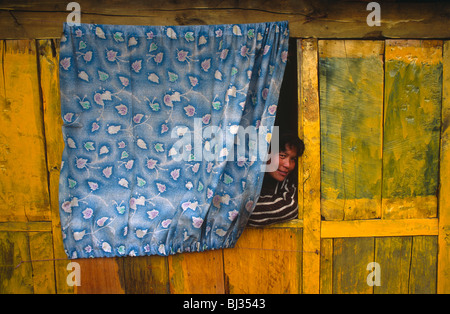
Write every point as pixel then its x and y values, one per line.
pixel 277 203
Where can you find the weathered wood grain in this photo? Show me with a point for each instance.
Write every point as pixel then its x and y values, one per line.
pixel 300 194
pixel 326 266
pixel 99 276
pixel 311 165
pixel 265 261
pixel 422 278
pixel 350 259
pixel 144 274
pixel 351 116
pixel 379 228
pixel 48 60
pixel 443 279
pixel 197 273
pixel 37 226
pixel 23 176
pixel 413 89
pixel 334 254
pixel 320 19
pixel 406 264
pixel 393 254
pixel 15 277
pixel 42 262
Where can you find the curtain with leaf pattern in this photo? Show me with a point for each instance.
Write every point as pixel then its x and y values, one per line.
pixel 151 120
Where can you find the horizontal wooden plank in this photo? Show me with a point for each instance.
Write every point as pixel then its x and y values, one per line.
pixel 379 228
pixel 37 226
pixel 350 48
pixel 320 19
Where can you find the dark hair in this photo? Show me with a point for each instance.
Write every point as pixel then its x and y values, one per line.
pixel 291 140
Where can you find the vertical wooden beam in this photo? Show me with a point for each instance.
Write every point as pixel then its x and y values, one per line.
pixel 23 176
pixel 311 166
pixel 326 266
pixel 300 127
pixel 48 57
pixel 443 277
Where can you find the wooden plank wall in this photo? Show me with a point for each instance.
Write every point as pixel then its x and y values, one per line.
pixel 348 238
pixel 374 115
pixel 380 133
pixel 32 258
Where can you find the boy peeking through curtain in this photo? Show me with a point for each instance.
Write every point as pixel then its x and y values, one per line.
pixel 278 198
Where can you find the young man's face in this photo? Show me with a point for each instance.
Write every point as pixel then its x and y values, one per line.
pixel 286 163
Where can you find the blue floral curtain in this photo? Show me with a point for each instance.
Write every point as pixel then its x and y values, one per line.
pixel 152 121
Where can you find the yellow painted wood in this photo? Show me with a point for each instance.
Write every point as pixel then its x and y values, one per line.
pixel 16 276
pixel 26 226
pixel 41 254
pixel 197 272
pixel 300 134
pixel 265 261
pixel 23 188
pixel 269 260
pixel 423 274
pixel 326 266
pixel 410 207
pixel 2 98
pixel 350 48
pixel 443 279
pixel 414 51
pixel 48 52
pixel 393 254
pixel 413 87
pixel 351 114
pixel 350 259
pixel 311 165
pixel 379 228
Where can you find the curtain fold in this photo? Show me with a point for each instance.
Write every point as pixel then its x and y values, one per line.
pixel 166 131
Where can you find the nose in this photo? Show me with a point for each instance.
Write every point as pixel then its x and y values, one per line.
pixel 286 163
